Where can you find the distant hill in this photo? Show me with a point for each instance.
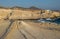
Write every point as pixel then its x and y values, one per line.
pixel 33 7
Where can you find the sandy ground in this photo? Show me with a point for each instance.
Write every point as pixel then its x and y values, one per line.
pixel 28 30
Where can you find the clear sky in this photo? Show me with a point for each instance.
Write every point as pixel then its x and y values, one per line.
pixel 45 4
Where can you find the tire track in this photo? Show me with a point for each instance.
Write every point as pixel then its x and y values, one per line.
pixel 21 32
pixel 25 31
pixel 7 30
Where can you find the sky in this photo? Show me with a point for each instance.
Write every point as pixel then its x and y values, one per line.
pixel 43 4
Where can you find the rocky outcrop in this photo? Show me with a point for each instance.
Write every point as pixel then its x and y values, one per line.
pixel 11 27
pixel 27 14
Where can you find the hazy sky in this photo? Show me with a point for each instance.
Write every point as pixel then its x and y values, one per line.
pixel 45 4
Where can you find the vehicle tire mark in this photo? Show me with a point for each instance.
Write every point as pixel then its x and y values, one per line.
pixel 25 31
pixel 7 30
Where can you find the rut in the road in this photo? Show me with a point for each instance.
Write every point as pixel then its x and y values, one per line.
pixel 24 31
pixel 21 32
pixel 7 30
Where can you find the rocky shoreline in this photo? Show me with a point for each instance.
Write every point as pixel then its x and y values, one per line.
pixel 28 24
